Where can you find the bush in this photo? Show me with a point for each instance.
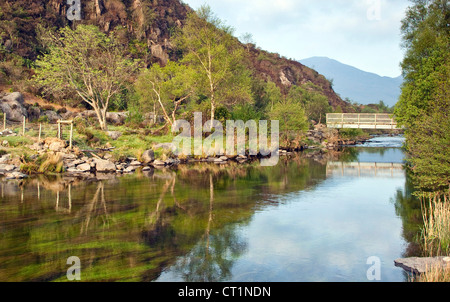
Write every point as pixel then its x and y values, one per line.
pixel 352 133
pixel 51 163
pixel 43 119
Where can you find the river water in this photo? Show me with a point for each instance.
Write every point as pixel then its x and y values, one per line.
pixel 340 217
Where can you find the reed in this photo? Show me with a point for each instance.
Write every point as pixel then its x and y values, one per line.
pixel 436 229
pixel 434 274
pixel 52 163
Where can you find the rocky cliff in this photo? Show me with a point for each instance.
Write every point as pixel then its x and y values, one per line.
pixel 145 24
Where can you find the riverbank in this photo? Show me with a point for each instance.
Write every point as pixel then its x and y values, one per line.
pixel 24 155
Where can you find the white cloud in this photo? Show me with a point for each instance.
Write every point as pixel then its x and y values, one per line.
pixel 362 33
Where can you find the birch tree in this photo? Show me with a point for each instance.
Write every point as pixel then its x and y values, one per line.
pixel 85 62
pixel 210 49
pixel 170 86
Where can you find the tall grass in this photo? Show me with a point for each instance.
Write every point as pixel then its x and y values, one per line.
pixel 435 274
pixel 436 235
pixel 436 230
pixel 51 163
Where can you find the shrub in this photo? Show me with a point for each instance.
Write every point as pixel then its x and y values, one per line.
pixel 51 163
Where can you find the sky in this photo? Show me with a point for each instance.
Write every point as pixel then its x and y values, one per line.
pixel 361 33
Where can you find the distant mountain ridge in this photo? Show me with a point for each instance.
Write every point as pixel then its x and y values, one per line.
pixel 357 85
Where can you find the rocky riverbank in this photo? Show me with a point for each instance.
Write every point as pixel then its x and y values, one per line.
pixel 87 163
pixel 73 161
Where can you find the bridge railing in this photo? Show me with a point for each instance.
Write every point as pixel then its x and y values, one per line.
pixel 361 120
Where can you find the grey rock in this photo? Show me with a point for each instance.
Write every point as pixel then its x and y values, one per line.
pixel 165 146
pixel 148 156
pixel 57 146
pixel 129 169
pixel 6 167
pixel 16 175
pixel 114 134
pixel 72 170
pixel 12 105
pixel 5 158
pixel 104 166
pixel 158 163
pixel 84 167
pixel 420 265
pixel 116 118
pixel 135 163
pixel 53 117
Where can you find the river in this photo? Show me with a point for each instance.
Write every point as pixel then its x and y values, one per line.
pixel 332 218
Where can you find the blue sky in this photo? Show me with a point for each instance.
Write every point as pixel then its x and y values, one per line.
pixel 361 33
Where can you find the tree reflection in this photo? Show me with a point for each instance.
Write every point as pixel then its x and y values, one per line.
pixel 408 208
pixel 211 259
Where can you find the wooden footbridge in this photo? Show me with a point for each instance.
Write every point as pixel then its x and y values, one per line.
pixel 361 121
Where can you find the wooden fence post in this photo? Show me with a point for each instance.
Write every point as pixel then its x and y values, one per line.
pixel 71 135
pixel 40 131
pixel 23 132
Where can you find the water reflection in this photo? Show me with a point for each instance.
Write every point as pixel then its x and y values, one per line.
pixel 292 222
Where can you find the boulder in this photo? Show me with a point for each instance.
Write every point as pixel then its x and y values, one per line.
pixel 84 167
pixel 114 134
pixel 148 156
pixel 15 175
pixel 5 158
pixel 12 105
pixel 116 118
pixel 420 265
pixel 55 144
pixel 158 163
pixel 53 117
pixel 6 167
pixel 129 169
pixel 104 166
pixel 135 163
pixel 165 146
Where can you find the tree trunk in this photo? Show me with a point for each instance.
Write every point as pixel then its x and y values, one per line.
pixel 101 116
pixel 213 111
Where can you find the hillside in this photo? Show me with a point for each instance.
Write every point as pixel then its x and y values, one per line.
pixel 146 26
pixel 355 84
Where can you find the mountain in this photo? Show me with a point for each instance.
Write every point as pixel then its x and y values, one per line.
pixel 357 85
pixel 146 26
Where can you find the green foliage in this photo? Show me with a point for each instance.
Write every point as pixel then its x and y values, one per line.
pixel 216 57
pixel 292 119
pixel 86 63
pixel 424 103
pixel 245 112
pixel 315 104
pixel 351 133
pixel 165 87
